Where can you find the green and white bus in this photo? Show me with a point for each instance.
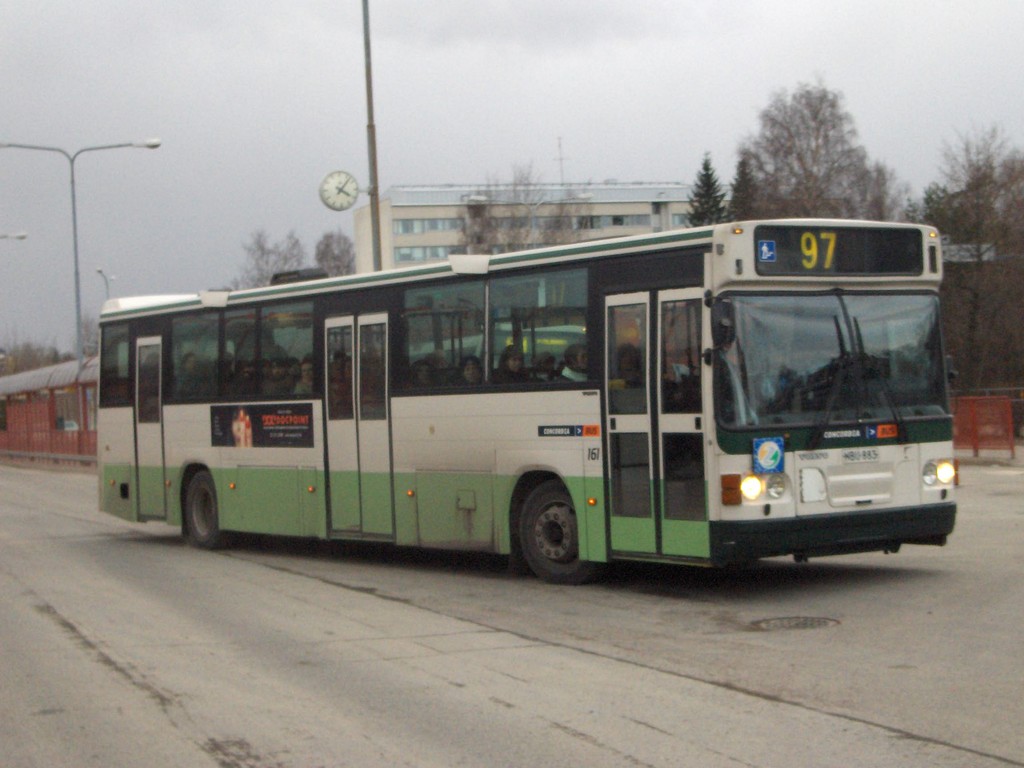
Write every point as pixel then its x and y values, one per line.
pixel 705 396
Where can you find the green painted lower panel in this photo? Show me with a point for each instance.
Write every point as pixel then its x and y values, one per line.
pixel 457 510
pixel 406 510
pixel 271 500
pixel 375 498
pixel 116 486
pixel 591 519
pixel 686 538
pixel 345 501
pixel 633 534
pixel 152 493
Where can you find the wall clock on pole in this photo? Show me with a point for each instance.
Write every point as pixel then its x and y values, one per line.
pixel 339 190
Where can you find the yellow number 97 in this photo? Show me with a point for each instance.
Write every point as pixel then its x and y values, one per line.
pixel 809 248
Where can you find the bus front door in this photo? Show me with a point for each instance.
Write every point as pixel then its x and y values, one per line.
pixel 358 447
pixel 150 476
pixel 654 423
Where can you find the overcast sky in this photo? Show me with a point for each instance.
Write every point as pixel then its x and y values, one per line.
pixel 256 100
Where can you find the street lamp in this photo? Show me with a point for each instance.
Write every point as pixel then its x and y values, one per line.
pixel 71 157
pixel 106 279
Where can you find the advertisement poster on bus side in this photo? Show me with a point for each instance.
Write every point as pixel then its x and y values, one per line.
pixel 262 426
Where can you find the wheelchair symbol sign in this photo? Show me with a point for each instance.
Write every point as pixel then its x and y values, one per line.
pixel 766 250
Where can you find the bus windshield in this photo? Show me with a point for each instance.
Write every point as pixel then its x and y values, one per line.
pixel 812 360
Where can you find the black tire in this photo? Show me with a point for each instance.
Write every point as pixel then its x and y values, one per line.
pixel 202 523
pixel 549 536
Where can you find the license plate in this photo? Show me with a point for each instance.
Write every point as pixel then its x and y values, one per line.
pixel 855 455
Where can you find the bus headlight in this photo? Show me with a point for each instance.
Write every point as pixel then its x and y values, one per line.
pixel 751 487
pixel 945 471
pixel 775 486
pixel 938 472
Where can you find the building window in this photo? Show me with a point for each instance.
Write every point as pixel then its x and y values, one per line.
pixel 615 220
pixel 419 226
pixel 417 253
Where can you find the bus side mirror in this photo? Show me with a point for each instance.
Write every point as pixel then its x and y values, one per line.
pixel 723 326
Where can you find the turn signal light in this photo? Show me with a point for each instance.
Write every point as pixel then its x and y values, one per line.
pixel 731 495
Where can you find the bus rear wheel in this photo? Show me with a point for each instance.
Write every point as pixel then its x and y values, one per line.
pixel 549 536
pixel 202 523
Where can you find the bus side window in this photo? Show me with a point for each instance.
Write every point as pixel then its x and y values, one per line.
pixel 543 320
pixel 115 383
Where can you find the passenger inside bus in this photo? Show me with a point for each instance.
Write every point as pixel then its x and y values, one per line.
pixel 544 366
pixel 191 381
pixel 510 367
pixel 575 368
pixel 277 378
pixel 470 371
pixel 304 386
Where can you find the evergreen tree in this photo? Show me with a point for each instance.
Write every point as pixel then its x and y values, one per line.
pixel 707 206
pixel 743 201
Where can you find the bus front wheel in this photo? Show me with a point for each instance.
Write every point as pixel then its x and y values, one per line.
pixel 202 524
pixel 549 536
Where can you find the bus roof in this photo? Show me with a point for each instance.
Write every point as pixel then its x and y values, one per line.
pixel 464 264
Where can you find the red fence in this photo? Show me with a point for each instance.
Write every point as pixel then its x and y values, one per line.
pixel 31 433
pixel 49 413
pixel 983 424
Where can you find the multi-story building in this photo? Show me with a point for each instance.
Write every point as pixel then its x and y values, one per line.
pixel 427 223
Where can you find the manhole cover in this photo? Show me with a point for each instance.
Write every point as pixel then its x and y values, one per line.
pixel 795 622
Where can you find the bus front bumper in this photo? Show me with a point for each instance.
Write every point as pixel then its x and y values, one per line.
pixel 831 534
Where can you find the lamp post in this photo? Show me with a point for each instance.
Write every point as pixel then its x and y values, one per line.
pixel 71 157
pixel 371 141
pixel 106 279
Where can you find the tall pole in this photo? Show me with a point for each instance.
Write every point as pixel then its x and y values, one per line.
pixel 106 279
pixel 371 141
pixel 148 144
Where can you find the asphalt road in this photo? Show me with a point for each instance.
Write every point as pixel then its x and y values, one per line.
pixel 120 646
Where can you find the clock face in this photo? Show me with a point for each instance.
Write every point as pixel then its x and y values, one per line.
pixel 339 190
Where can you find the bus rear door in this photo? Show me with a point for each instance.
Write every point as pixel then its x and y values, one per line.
pixel 358 435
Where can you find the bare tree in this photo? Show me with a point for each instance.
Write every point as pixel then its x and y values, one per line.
pixel 884 196
pixel 264 259
pixel 17 356
pixel 335 254
pixel 806 160
pixel 978 207
pixel 520 215
pixel 90 334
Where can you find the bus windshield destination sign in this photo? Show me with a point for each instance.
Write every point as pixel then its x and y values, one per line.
pixel 786 250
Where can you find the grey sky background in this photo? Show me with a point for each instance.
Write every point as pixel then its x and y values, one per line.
pixel 255 101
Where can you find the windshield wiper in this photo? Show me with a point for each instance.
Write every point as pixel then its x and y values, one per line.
pixel 838 369
pixel 871 368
